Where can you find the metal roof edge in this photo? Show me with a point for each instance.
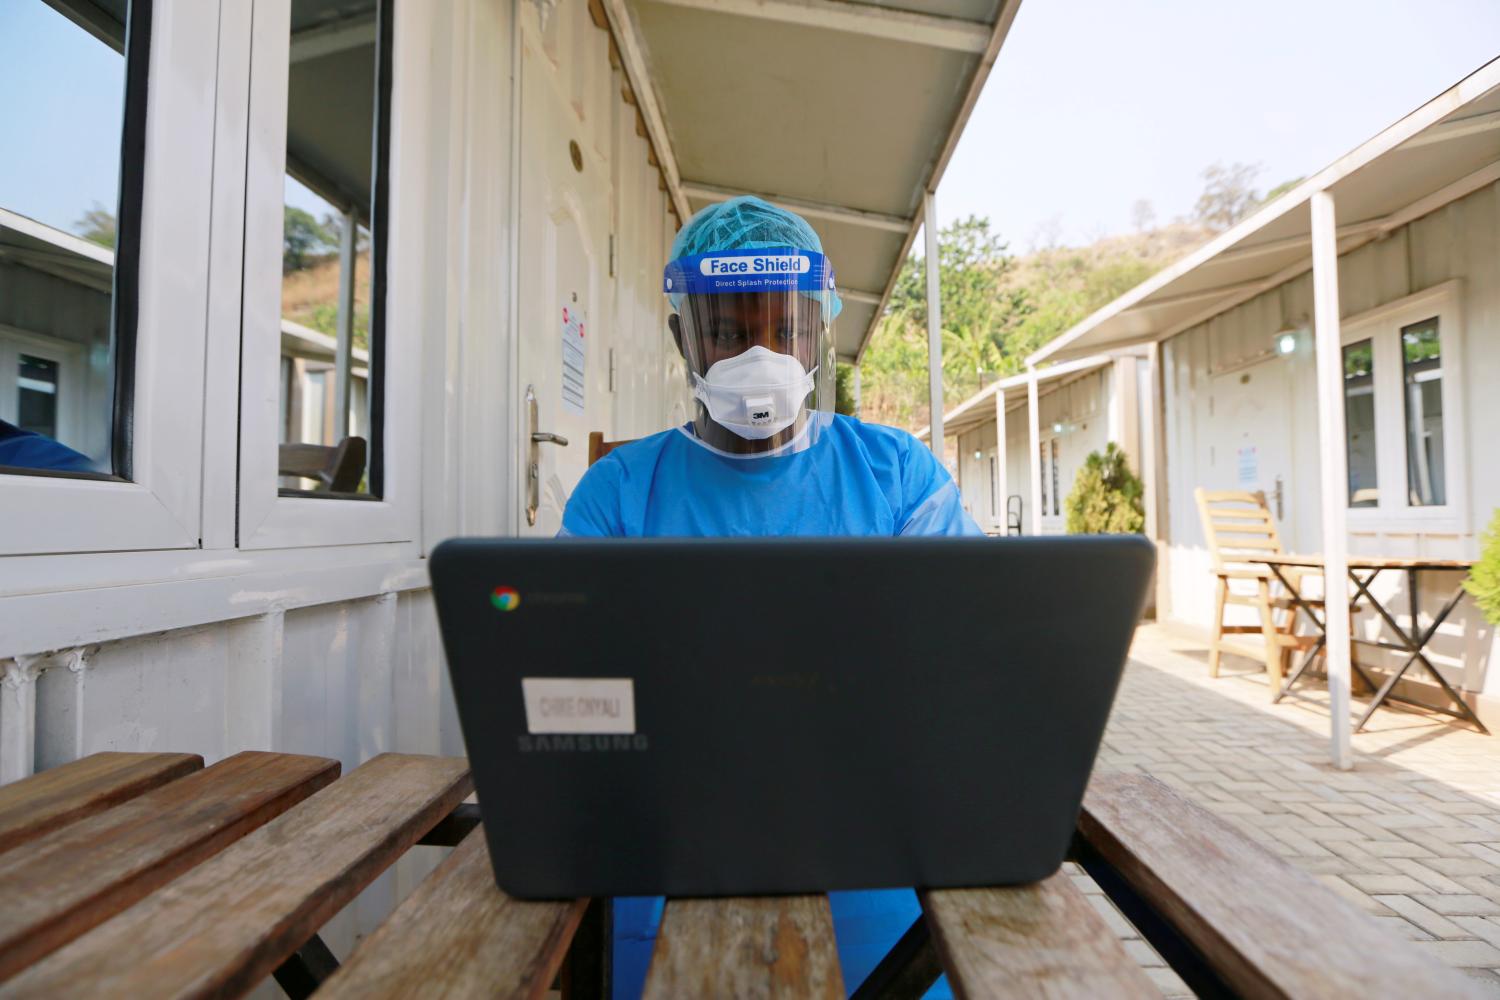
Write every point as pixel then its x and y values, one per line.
pixel 1004 18
pixel 1471 87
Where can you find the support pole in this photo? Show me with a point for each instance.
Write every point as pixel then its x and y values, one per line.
pixel 934 327
pixel 858 389
pixel 1002 484
pixel 1335 476
pixel 344 349
pixel 1034 425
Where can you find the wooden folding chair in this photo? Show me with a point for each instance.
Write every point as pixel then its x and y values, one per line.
pixel 598 447
pixel 336 468
pixel 1239 528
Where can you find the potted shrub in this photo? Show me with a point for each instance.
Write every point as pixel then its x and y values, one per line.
pixel 1106 497
pixel 1484 579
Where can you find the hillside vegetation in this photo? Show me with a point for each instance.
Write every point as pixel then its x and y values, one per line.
pixel 999 307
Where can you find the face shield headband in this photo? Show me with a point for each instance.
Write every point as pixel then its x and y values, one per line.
pixel 769 269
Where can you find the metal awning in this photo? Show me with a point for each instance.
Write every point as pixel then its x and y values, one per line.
pixel 980 408
pixel 42 248
pixel 1444 150
pixel 846 112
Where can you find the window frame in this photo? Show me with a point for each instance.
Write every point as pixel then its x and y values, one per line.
pixel 158 304
pixel 1382 326
pixel 267 517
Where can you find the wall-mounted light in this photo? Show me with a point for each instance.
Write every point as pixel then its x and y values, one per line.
pixel 1057 428
pixel 1286 341
pixel 978 455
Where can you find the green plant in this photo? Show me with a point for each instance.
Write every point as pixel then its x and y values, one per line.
pixel 1106 497
pixel 1484 579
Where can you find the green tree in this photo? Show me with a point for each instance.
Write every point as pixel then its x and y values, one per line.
pixel 980 309
pixel 844 391
pixel 1484 578
pixel 97 225
pixel 303 238
pixel 1228 195
pixel 1107 497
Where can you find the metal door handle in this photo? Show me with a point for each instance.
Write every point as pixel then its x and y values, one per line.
pixel 547 437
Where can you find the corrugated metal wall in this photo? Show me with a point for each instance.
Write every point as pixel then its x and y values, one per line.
pixel 1217 373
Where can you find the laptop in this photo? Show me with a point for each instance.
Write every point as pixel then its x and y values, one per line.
pixel 733 717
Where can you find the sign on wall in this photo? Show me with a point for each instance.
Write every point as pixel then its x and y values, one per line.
pixel 574 358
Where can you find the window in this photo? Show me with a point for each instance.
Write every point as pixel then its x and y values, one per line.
pixel 1056 492
pixel 1422 375
pixel 69 218
pixel 1402 417
pixel 994 488
pixel 1359 423
pixel 330 316
pixel 1042 466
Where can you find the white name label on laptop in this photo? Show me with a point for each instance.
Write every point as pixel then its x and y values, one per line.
pixel 579 704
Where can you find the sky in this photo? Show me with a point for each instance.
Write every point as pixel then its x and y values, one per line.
pixel 63 93
pixel 1092 106
pixel 1096 104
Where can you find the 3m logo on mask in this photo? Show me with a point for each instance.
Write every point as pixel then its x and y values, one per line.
pixel 761 409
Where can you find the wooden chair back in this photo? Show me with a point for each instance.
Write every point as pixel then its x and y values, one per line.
pixel 336 468
pixel 1238 528
pixel 598 447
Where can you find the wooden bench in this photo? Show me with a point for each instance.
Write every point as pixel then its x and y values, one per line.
pixel 1230 917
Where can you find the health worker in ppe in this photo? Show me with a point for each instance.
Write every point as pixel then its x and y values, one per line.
pixel 754 301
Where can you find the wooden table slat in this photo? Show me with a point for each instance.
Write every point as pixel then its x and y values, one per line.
pixel 779 946
pixel 458 935
pixel 58 886
pixel 1266 928
pixel 67 793
pixel 223 927
pixel 1040 940
pixel 1368 562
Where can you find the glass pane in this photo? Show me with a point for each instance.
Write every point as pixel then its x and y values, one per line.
pixel 1056 492
pixel 36 410
pixel 1422 373
pixel 1042 447
pixel 1359 423
pixel 62 77
pixel 326 342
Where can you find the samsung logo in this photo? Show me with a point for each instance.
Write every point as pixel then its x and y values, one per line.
pixel 589 742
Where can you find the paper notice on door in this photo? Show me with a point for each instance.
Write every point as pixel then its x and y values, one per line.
pixel 1249 467
pixel 574 357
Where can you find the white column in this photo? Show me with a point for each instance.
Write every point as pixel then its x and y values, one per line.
pixel 1002 486
pixel 1335 477
pixel 934 326
pixel 1033 423
pixel 344 349
pixel 18 717
pixel 858 389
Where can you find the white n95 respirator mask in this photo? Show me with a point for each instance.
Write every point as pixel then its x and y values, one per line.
pixel 756 394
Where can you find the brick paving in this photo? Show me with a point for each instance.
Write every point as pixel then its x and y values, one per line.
pixel 1410 836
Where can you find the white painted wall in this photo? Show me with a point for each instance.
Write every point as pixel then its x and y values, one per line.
pixel 298 644
pixel 1214 372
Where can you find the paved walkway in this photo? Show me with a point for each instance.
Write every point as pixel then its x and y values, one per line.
pixel 1410 836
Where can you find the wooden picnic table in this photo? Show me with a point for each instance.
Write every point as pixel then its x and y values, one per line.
pixel 1412 639
pixel 130 874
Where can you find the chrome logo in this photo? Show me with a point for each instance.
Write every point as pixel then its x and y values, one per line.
pixel 505 598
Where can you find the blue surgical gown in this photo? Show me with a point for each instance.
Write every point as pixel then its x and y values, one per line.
pixel 855 479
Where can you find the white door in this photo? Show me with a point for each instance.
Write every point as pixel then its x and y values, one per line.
pixel 564 295
pixel 1251 441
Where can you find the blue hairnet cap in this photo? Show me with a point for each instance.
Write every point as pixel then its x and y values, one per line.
pixel 746 223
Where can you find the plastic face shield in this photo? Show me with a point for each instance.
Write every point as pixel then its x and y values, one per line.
pixel 756 329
